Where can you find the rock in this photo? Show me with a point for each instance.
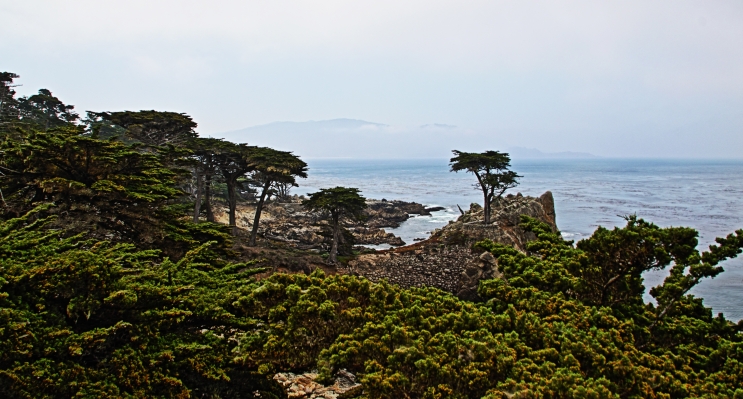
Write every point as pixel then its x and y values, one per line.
pixel 304 386
pixel 505 220
pixel 391 213
pixel 486 267
pixel 373 236
pixel 488 258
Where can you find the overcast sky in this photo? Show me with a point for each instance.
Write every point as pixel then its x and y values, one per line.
pixel 621 78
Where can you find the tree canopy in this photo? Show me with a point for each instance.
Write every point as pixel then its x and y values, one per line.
pixel 46 110
pixel 231 161
pixel 154 128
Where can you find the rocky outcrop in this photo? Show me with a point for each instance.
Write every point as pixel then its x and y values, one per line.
pixel 505 221
pixel 289 222
pixel 446 260
pixel 375 236
pixel 304 386
pixel 391 213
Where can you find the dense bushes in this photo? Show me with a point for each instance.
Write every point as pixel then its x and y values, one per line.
pixel 90 319
pixel 538 334
pixel 106 290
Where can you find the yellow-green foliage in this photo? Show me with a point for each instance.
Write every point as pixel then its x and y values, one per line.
pixel 538 333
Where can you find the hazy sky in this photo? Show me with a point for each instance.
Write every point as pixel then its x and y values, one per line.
pixel 614 78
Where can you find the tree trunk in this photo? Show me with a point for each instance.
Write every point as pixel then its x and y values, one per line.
pixel 208 198
pixel 485 202
pixel 486 208
pixel 232 203
pixel 258 210
pixel 333 258
pixel 199 187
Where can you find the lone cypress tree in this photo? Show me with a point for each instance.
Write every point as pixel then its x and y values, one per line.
pixel 492 171
pixel 338 202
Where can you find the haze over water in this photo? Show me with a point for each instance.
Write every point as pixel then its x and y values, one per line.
pixel 705 195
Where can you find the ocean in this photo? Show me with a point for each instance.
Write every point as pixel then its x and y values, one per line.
pixel 703 194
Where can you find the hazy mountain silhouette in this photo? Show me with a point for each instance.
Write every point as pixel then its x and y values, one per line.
pixel 353 138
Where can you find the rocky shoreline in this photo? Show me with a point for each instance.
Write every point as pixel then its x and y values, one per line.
pixel 290 223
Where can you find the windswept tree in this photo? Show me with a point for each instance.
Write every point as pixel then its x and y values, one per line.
pixel 338 202
pixel 46 110
pixel 232 163
pixel 153 128
pixel 491 168
pixel 272 166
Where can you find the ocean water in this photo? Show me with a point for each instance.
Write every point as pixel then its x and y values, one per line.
pixel 705 195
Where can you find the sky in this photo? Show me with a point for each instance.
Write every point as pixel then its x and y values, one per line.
pixel 611 78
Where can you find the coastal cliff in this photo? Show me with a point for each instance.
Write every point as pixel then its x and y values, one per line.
pixel 445 260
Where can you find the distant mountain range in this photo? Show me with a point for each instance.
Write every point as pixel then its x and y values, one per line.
pixel 533 153
pixel 353 138
pixel 332 124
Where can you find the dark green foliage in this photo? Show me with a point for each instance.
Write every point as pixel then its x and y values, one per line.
pixel 46 111
pixel 337 202
pixel 491 168
pixel 89 319
pixel 102 320
pixel 153 128
pixel 98 184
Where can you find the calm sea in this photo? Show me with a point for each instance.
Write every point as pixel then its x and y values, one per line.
pixel 705 195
